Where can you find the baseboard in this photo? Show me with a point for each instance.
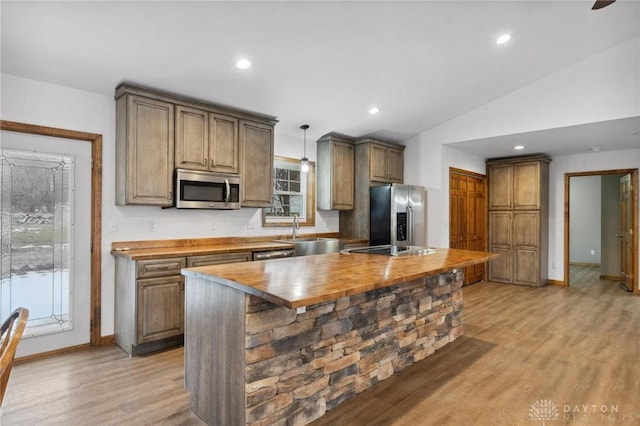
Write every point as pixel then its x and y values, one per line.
pixel 556 282
pixel 584 264
pixel 104 341
pixel 107 340
pixel 610 278
pixel 53 353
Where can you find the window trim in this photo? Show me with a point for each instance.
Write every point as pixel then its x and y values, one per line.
pixel 310 207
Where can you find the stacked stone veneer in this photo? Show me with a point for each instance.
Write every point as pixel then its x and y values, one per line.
pixel 298 366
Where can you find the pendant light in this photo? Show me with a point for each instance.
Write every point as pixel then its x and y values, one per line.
pixel 304 162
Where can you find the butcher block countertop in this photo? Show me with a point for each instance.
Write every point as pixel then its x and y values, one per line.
pixel 301 281
pixel 158 249
pixel 163 252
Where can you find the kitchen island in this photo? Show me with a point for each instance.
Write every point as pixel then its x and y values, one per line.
pixel 283 341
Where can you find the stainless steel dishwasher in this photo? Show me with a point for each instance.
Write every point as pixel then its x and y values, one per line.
pixel 273 254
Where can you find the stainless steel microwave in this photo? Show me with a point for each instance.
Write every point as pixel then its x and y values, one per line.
pixel 206 190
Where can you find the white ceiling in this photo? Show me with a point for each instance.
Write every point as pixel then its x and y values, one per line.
pixel 321 63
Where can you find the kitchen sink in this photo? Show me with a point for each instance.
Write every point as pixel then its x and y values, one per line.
pixel 319 245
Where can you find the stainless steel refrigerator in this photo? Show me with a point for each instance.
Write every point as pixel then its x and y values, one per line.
pixel 398 215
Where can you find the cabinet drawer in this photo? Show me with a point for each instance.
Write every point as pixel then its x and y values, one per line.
pixel 159 267
pixel 217 259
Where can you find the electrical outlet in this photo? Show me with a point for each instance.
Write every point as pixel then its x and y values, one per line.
pixel 213 225
pixel 152 226
pixel 251 226
pixel 301 310
pixel 593 252
pixel 113 226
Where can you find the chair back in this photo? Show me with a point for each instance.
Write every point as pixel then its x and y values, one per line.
pixel 12 329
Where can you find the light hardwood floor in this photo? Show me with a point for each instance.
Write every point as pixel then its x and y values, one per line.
pixel 571 346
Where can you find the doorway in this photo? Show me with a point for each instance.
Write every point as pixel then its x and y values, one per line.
pixel 601 228
pixel 20 138
pixel 467 217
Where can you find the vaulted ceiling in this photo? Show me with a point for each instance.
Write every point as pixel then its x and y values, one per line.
pixel 321 63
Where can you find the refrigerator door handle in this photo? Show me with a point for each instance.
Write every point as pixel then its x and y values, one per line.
pixel 410 225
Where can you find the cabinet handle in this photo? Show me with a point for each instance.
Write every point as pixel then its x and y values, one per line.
pixel 211 164
pixel 205 162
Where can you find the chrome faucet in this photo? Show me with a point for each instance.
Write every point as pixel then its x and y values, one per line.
pixel 296 226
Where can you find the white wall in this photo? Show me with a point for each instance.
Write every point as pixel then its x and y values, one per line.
pixel 603 87
pixel 585 212
pixel 44 104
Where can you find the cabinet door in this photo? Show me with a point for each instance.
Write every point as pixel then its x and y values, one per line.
pixel 378 163
pixel 526 229
pixel 160 309
pixel 256 157
pixel 395 165
pixel 500 228
pixel 149 152
pixel 500 268
pixel 526 189
pixel 500 187
pixel 192 138
pixel 343 176
pixel 526 266
pixel 223 144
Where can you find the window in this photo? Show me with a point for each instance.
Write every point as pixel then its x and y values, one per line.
pixel 293 194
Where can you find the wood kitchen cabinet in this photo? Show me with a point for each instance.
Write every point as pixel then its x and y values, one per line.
pixel 144 151
pixel 157 132
pixel 518 219
pixel 386 161
pixel 335 172
pixel 376 163
pixel 149 302
pixel 206 141
pixel 256 164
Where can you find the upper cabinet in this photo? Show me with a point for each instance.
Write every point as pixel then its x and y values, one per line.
pixel 144 151
pixel 515 185
pixel 157 132
pixel 206 141
pixel 256 152
pixel 386 161
pixel 335 172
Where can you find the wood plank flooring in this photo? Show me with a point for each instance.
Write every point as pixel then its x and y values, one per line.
pixel 572 346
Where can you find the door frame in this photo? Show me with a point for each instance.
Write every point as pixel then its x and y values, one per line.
pixel 96 214
pixel 634 220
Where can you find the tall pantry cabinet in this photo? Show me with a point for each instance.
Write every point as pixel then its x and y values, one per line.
pixel 519 219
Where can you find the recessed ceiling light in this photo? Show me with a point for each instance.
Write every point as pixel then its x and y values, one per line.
pixel 503 38
pixel 374 110
pixel 518 147
pixel 243 64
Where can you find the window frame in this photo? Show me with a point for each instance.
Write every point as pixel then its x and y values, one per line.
pixel 310 197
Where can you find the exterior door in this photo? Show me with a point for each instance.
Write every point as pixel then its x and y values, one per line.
pixel 624 234
pixel 46 238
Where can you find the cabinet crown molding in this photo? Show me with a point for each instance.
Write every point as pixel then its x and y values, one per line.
pixel 520 158
pixel 126 88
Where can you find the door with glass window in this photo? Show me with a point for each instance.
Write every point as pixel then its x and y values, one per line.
pixel 45 219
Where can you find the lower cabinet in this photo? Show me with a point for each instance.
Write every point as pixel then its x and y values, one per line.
pixel 160 308
pixel 516 237
pixel 149 303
